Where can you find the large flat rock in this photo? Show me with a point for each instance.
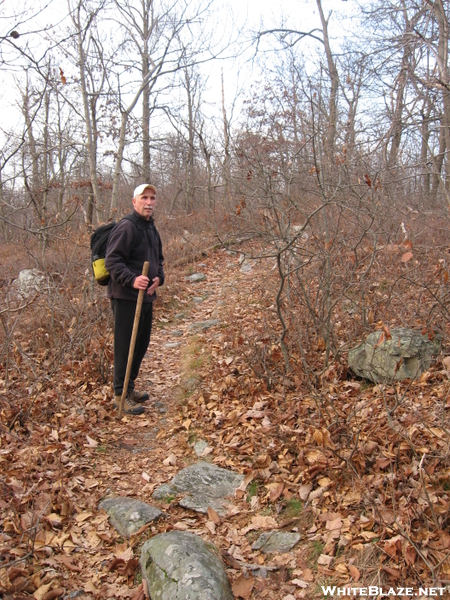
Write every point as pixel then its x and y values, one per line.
pixel 203 485
pixel 179 565
pixel 128 515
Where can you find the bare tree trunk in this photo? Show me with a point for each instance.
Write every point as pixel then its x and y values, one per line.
pixel 146 92
pixel 33 185
pixel 437 166
pixel 226 140
pixel 190 158
pixel 397 119
pixel 441 17
pixel 334 80
pixel 32 145
pixel 121 144
pixel 207 155
pixel 118 162
pixel 425 132
pixel 354 84
pixel 45 157
pixel 90 209
pixel 61 160
pixel 90 133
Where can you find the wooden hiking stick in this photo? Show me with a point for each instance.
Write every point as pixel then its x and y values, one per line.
pixel 137 316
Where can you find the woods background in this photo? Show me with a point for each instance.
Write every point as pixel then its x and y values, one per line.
pixel 327 161
pixel 332 156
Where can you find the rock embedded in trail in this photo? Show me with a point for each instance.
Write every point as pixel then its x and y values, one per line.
pixel 203 485
pixel 276 541
pixel 179 565
pixel 128 515
pixel 202 325
pixel 246 267
pixel 200 446
pixel 196 277
pixel 161 407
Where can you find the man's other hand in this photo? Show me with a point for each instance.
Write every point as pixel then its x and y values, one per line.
pixel 153 287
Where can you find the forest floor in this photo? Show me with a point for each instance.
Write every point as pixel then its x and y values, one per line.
pixel 357 530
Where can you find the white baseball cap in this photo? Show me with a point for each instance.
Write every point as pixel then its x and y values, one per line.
pixel 140 189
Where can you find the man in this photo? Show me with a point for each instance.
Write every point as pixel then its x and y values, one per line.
pixel 133 241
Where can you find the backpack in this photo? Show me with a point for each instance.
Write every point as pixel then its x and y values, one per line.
pixel 99 243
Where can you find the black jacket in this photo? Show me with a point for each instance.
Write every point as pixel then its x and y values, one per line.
pixel 129 246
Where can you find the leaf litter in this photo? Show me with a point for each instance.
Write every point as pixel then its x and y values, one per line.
pixel 367 490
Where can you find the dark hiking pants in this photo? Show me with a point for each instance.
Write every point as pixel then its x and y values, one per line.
pixel 123 311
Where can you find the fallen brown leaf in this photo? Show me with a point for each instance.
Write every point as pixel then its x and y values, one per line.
pixel 354 572
pixel 334 525
pixel 395 573
pixel 91 442
pixel 300 583
pixel 42 591
pixel 410 555
pixel 230 560
pixel 55 593
pixel 308 575
pixel 247 479
pixel 213 516
pixel 407 256
pixel 69 564
pixel 139 593
pixel 242 587
pixel 170 460
pixel 275 494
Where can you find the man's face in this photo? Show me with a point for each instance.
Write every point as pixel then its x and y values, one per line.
pixel 144 204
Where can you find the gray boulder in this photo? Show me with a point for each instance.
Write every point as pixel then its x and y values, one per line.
pixel 276 541
pixel 29 283
pixel 179 565
pixel 128 515
pixel 203 485
pixel 405 356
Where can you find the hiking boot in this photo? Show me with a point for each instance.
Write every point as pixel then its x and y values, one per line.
pixel 138 396
pixel 129 406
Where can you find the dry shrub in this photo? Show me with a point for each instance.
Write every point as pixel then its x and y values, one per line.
pixel 65 331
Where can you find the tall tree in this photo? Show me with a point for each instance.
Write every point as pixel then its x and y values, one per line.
pixel 89 53
pixel 163 34
pixel 334 86
pixel 141 26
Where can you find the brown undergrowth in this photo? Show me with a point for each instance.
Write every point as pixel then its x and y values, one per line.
pixel 360 471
